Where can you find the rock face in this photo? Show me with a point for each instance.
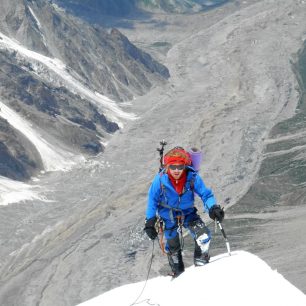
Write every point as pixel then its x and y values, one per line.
pixel 19 159
pixel 64 77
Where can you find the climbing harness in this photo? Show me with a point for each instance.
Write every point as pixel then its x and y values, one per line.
pixel 160 228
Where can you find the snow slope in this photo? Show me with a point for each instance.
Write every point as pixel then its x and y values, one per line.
pixel 238 280
pixel 13 191
pixel 54 159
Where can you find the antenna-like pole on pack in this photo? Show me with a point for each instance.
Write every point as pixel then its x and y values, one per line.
pixel 163 143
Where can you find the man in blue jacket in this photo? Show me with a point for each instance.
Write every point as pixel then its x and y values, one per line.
pixel 171 197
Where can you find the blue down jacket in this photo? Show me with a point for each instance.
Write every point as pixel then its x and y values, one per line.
pixel 167 203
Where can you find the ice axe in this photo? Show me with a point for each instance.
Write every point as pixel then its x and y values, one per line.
pixel 225 237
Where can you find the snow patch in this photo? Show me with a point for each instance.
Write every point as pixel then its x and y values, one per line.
pixel 13 191
pixel 58 8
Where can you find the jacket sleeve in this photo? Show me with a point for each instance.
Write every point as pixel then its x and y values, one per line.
pixel 204 193
pixel 153 198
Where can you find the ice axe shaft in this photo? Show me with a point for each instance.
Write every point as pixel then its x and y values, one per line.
pixel 225 237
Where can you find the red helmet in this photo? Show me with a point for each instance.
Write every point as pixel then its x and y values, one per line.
pixel 177 155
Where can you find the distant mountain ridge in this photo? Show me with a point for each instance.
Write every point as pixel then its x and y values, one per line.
pixel 122 8
pixel 45 28
pixel 64 76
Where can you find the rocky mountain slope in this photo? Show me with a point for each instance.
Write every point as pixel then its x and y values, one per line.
pixel 64 77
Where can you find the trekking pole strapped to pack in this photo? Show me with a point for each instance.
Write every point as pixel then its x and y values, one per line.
pixel 163 143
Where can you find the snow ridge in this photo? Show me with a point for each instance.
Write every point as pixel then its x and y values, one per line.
pixel 237 280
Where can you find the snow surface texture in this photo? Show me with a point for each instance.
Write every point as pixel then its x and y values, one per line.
pixel 240 279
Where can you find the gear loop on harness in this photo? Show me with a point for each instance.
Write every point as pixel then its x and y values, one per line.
pixel 161 233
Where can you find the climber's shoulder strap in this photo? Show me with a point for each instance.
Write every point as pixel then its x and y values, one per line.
pixel 192 179
pixel 162 186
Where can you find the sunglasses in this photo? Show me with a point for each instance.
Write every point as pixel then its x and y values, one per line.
pixel 178 167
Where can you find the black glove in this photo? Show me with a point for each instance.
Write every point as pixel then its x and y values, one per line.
pixel 150 228
pixel 216 213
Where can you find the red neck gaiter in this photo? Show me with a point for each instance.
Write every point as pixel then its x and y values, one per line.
pixel 180 183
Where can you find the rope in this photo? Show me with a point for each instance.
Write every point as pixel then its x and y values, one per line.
pixel 145 284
